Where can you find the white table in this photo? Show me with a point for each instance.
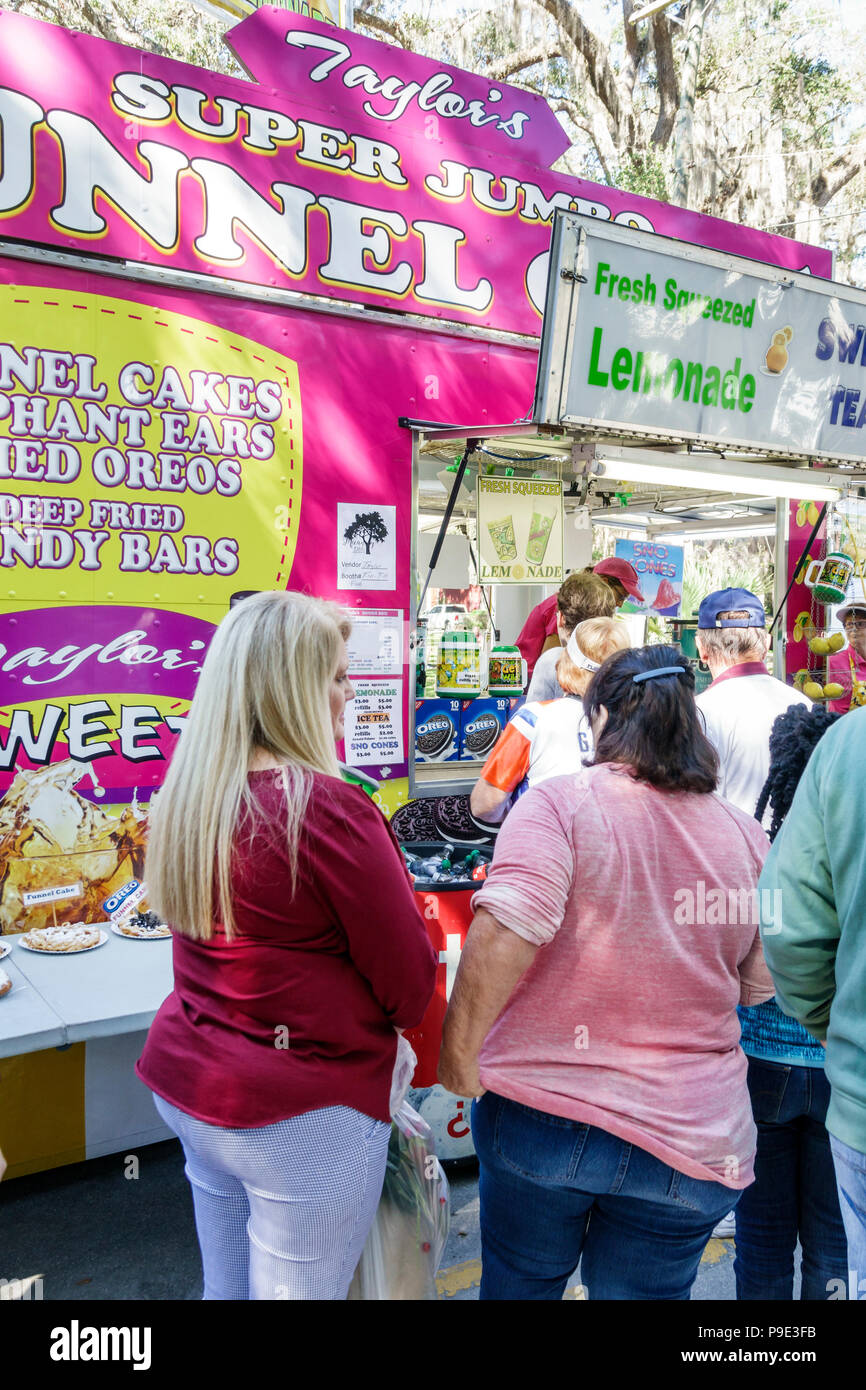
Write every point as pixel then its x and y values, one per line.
pixel 27 1021
pixel 116 988
pixel 106 1000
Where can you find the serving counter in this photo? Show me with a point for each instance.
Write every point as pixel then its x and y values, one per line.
pixel 71 1030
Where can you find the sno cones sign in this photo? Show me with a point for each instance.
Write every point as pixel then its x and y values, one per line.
pixel 659 576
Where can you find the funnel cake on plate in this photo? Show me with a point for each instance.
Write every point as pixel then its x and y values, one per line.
pixel 74 936
pixel 144 926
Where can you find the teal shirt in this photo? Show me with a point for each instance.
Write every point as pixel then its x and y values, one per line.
pixel 813 926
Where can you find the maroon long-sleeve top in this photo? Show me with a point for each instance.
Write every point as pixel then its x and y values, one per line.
pixel 298 1011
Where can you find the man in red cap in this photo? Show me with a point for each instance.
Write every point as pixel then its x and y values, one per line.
pixel 541 624
pixel 622 578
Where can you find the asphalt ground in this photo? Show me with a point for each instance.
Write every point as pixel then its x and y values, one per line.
pixel 113 1229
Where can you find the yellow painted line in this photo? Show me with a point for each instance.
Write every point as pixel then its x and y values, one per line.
pixel 717 1250
pixel 465 1276
pixel 456 1278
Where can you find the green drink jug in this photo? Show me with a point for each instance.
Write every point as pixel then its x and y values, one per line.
pixel 461 665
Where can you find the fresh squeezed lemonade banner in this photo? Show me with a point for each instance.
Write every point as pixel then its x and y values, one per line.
pixel 683 342
pixel 520 531
pixel 347 168
pixel 147 473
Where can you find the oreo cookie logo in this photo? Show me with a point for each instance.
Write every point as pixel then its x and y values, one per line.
pixel 120 895
pixel 434 735
pixel 481 734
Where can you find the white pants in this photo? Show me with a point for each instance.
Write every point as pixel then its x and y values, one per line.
pixel 283 1211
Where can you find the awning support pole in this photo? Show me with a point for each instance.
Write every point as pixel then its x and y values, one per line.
pixel 796 570
pixel 471 446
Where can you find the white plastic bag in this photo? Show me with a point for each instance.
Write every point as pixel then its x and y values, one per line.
pixel 408 1235
pixel 401 1077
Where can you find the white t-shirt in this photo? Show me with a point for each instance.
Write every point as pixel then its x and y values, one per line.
pixel 563 738
pixel 544 685
pixel 739 713
pixel 542 739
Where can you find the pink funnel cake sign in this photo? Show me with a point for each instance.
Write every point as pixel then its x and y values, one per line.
pixel 357 172
pixel 355 75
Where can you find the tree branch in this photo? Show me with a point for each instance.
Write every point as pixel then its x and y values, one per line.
pixel 635 48
pixel 666 75
pixel 828 182
pixel 595 126
pixel 511 63
pixel 391 27
pixel 596 59
pixel 683 148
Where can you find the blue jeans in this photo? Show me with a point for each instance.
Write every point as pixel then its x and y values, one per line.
pixel 850 1167
pixel 554 1191
pixel 794 1192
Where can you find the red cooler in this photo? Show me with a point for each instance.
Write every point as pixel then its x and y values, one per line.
pixel 448 914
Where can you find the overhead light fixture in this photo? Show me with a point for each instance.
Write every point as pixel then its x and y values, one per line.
pixel 722 525
pixel 631 519
pixel 716 475
pixel 718 533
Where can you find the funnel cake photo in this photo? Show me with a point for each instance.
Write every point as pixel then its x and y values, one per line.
pixel 50 835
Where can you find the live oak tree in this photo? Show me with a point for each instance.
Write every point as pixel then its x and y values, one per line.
pixel 172 28
pixel 743 109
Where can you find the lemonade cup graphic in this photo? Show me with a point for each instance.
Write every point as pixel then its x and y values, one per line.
pixel 502 536
pixel 539 534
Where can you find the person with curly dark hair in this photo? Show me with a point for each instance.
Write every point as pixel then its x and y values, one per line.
pixel 794 1193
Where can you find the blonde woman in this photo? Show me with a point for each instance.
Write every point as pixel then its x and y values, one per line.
pixel 548 738
pixel 298 950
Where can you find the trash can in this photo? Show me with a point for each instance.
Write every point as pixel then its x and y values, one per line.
pixel 445 907
pixel 685 635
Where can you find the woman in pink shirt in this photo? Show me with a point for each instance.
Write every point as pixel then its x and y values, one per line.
pixel 848 667
pixel 298 951
pixel 594 1009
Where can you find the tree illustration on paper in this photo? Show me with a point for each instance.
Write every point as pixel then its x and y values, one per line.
pixel 366 528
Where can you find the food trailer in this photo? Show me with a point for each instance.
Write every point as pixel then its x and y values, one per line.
pixel 238 315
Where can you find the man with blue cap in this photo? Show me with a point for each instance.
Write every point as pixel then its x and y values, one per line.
pixel 739 708
pixel 744 699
